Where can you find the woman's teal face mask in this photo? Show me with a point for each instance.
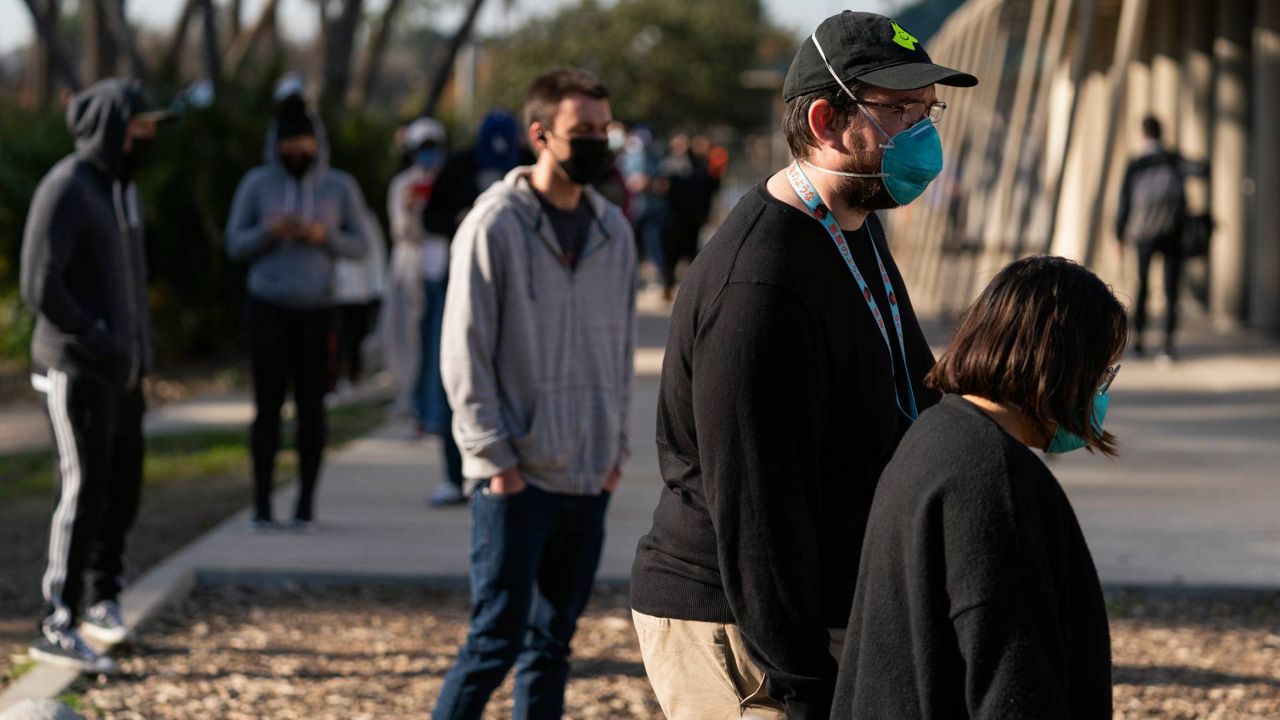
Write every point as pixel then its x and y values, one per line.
pixel 911 159
pixel 1064 440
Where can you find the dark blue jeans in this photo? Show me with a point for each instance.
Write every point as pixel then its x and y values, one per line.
pixel 533 561
pixel 429 402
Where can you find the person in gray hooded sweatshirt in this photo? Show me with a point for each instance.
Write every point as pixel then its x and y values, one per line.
pixel 538 342
pixel 291 218
pixel 83 273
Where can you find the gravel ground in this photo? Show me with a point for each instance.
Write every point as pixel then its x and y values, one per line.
pixel 172 515
pixel 1207 658
pixel 344 654
pixel 381 653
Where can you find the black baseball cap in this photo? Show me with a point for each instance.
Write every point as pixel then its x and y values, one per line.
pixel 866 48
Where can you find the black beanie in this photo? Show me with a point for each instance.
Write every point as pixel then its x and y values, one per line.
pixel 293 122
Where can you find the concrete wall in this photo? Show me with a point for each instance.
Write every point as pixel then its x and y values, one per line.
pixel 1035 153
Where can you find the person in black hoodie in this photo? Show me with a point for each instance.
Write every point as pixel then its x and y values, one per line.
pixel 976 595
pixel 793 367
pixel 84 275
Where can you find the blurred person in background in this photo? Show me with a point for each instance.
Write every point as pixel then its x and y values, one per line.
pixel 291 219
pixel 466 174
pixel 647 189
pixel 977 596
pixel 358 287
pixel 539 338
pixel 422 144
pixel 690 192
pixel 1151 216
pixel 84 275
pixel 612 184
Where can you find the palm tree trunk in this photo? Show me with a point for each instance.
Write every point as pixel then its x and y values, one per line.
pixel 373 60
pixel 51 63
pixel 339 38
pixel 242 47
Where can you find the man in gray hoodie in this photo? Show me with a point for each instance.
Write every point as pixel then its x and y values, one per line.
pixel 84 275
pixel 291 218
pixel 537 360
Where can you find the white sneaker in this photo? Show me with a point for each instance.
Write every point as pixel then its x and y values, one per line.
pixel 104 623
pixel 68 649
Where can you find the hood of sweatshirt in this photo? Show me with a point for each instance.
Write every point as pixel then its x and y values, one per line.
pixel 271 149
pixel 98 118
pixel 300 193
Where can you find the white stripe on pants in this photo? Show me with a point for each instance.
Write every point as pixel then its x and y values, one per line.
pixel 55 576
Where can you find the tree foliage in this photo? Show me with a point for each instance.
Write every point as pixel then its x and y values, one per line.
pixel 667 63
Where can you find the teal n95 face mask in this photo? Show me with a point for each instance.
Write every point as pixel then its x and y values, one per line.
pixel 1064 440
pixel 911 159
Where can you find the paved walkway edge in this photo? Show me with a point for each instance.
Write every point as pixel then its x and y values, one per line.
pixel 142 602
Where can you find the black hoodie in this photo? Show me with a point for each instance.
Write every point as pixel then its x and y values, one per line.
pixel 83 259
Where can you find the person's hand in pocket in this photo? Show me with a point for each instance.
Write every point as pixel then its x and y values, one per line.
pixel 612 479
pixel 507 482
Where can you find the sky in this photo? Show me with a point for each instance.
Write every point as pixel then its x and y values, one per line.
pixel 298 16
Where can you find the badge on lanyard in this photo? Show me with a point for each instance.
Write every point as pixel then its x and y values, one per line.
pixel 808 195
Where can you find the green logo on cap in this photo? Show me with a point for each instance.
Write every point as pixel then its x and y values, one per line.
pixel 904 38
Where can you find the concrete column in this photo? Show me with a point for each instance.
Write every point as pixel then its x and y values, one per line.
pixel 1029 186
pixel 979 173
pixel 1060 151
pixel 974 40
pixel 1001 226
pixel 1264 286
pixel 1166 40
pixel 1195 130
pixel 1129 35
pixel 1230 163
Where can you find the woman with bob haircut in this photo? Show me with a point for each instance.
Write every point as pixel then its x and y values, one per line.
pixel 976 594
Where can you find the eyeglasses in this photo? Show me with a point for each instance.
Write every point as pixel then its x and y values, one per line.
pixel 912 113
pixel 1108 377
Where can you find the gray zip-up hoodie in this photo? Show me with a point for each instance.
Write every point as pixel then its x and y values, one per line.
pixel 538 358
pixel 288 274
pixel 84 266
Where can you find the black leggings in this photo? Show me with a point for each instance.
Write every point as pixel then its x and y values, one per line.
pixel 354 323
pixel 1171 249
pixel 287 347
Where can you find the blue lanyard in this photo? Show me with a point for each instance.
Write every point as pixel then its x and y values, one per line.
pixel 809 196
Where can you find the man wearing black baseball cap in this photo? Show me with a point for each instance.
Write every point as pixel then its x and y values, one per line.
pixel 794 365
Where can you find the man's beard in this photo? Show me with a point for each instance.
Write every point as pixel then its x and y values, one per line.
pixel 867 193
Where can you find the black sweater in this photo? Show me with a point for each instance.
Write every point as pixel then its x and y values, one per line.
pixel 776 415
pixel 977 596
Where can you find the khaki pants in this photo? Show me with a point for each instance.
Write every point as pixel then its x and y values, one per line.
pixel 700 670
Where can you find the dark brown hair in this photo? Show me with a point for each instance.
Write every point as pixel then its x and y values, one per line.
pixel 1151 127
pixel 1039 338
pixel 548 89
pixel 795 121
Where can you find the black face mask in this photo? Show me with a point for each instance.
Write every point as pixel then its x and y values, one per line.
pixel 139 155
pixel 588 159
pixel 297 165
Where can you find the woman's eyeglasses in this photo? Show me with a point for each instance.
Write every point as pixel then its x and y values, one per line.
pixel 1109 377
